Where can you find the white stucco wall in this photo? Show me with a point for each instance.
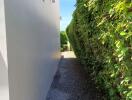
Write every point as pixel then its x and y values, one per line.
pixel 32 29
pixel 4 90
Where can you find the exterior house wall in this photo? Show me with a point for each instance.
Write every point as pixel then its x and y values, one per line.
pixel 4 90
pixel 32 31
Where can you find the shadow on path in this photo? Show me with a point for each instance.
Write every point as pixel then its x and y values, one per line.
pixel 71 83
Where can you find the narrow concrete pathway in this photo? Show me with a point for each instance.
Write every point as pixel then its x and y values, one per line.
pixel 70 82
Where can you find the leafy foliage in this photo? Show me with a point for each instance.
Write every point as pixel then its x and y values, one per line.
pixel 63 40
pixel 101 36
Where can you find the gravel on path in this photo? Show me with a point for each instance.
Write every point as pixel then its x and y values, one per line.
pixel 71 83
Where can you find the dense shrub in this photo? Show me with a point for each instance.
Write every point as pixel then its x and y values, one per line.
pixel 101 36
pixel 63 40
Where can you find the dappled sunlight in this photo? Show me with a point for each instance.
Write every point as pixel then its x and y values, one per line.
pixel 68 54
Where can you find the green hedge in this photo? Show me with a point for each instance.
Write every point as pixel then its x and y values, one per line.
pixel 63 40
pixel 101 36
